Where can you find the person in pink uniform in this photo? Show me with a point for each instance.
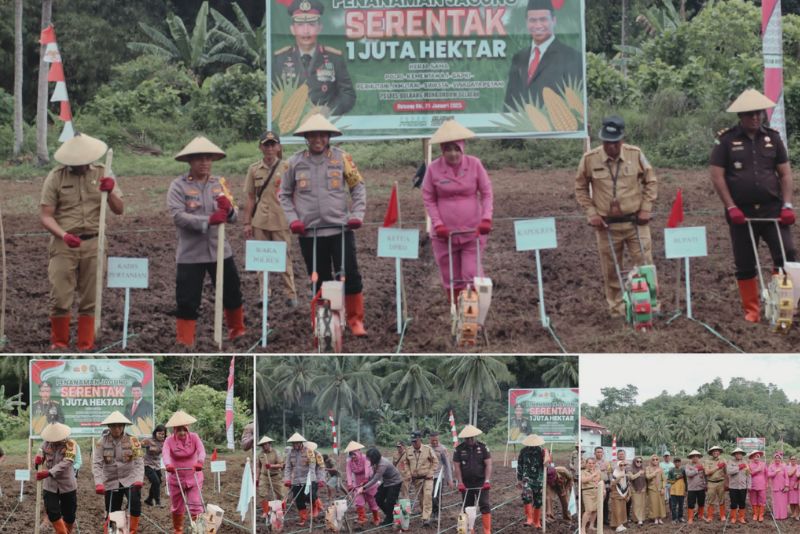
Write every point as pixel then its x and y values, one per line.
pixel 779 480
pixel 758 485
pixel 183 456
pixel 359 472
pixel 457 194
pixel 793 472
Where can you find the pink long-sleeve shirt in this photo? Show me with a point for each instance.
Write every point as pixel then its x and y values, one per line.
pixel 359 471
pixel 758 476
pixel 778 477
pixel 184 453
pixel 451 195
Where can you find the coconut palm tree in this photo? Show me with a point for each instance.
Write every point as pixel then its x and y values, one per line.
pixel 16 367
pixel 476 375
pixel 411 384
pixel 42 155
pixel 241 38
pixel 17 78
pixel 197 52
pixel 562 372
pixel 293 377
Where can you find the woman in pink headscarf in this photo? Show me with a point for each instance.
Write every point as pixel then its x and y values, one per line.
pixel 758 485
pixel 457 194
pixel 793 472
pixel 359 472
pixel 779 481
pixel 184 455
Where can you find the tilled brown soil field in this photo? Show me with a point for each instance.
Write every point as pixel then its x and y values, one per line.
pixel 507 512
pixel 18 517
pixel 571 274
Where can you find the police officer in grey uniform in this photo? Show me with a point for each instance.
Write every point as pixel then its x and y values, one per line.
pixel 322 68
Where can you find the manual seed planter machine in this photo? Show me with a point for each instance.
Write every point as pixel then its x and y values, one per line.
pixel 328 316
pixel 468 309
pixel 639 287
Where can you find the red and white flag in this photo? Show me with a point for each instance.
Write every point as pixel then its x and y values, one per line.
pixel 334 437
pixel 452 420
pixel 613 448
pixel 772 52
pixel 676 213
pixel 229 408
pixel 393 209
pixel 55 74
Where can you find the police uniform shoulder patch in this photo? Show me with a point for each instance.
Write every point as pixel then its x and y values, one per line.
pixel 282 50
pixel 71 448
pixel 724 131
pixel 332 50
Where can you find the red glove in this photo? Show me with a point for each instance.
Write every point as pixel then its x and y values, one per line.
pixel 355 224
pixel 297 227
pixel 442 231
pixel 38 460
pixel 100 489
pixel 41 475
pixel 720 465
pixel 71 240
pixel 787 216
pixel 138 484
pixel 742 466
pixel 170 468
pixel 218 217
pixel 198 466
pixel 487 486
pixel 461 487
pixel 321 483
pixel 700 468
pixel 267 466
pixel 485 226
pixel 106 184
pixel 287 483
pixel 736 215
pixel 224 203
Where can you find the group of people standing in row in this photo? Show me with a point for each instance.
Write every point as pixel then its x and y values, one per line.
pixel 120 463
pixel 319 195
pixel 638 492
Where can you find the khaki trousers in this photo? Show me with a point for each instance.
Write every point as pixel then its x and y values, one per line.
pixel 71 269
pixel 623 237
pixel 715 494
pixel 288 276
pixel 425 495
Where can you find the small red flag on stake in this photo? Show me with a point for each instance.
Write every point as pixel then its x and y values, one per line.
pixel 48 35
pixel 393 209
pixel 56 73
pixel 676 213
pixel 66 111
pixel 214 455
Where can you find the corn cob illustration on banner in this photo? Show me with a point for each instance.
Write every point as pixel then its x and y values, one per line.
pixel 559 111
pixel 291 106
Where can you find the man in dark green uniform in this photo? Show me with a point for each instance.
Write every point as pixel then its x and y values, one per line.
pixel 322 68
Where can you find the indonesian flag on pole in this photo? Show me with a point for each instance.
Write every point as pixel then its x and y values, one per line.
pixel 229 408
pixel 333 433
pixel 214 455
pixel 676 214
pixel 453 432
pixel 613 448
pixel 393 209
pixel 772 52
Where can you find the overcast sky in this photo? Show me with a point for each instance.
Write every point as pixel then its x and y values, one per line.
pixel 654 373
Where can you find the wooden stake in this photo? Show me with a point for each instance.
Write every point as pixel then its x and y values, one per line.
pixel 5 281
pixel 218 289
pixel 101 248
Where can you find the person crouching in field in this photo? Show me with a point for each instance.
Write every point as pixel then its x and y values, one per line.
pixel 59 486
pixel 197 202
pixel 264 218
pixel 359 471
pixel 387 479
pixel 457 193
pixel 184 455
pixel 70 211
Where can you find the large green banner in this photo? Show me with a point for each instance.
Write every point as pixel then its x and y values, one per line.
pixel 82 393
pixel 396 69
pixel 551 413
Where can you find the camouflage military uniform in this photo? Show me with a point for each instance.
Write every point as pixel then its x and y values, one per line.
pixel 530 469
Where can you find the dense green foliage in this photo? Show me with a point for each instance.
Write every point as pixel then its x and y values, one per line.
pixel 715 415
pixel 146 75
pixel 380 400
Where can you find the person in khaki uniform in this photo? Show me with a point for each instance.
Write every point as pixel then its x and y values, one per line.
pixel 270 469
pixel 714 468
pixel 59 486
pixel 422 465
pixel 264 218
pixel 623 190
pixel 118 464
pixel 70 211
pixel 656 487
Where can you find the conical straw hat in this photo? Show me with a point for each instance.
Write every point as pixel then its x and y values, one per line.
pixel 55 432
pixel 694 453
pixel 737 449
pixel 451 130
pixel 265 439
pixel 180 418
pixel 470 431
pixel 310 445
pixel 753 453
pixel 317 123
pixel 116 418
pixel 353 446
pixel 200 145
pixel 296 438
pixel 717 448
pixel 750 100
pixel 80 150
pixel 533 441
